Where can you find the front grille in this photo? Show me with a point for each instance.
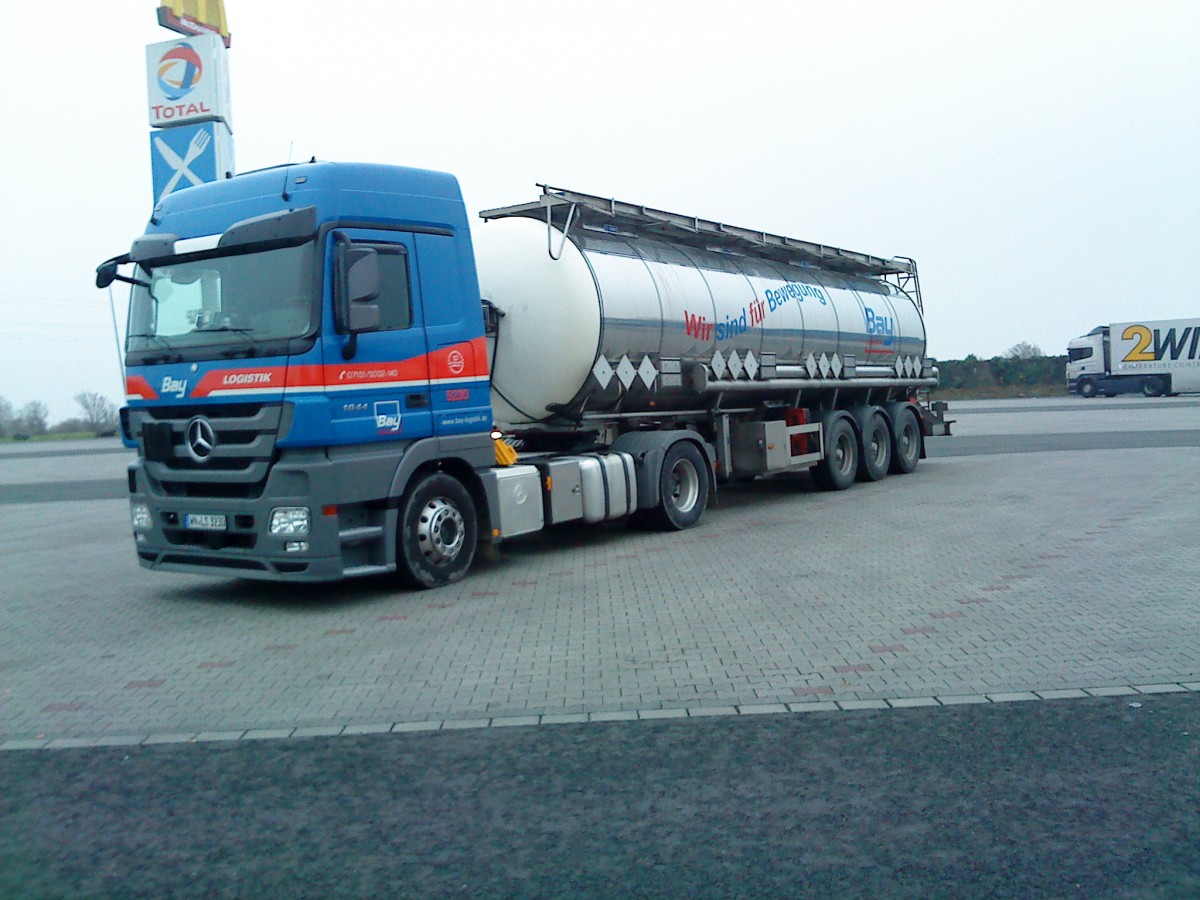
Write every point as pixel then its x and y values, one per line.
pixel 239 459
pixel 215 490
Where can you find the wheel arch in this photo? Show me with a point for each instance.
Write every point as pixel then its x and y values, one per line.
pixel 424 458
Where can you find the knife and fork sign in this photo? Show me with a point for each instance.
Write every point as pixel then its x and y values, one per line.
pixel 197 146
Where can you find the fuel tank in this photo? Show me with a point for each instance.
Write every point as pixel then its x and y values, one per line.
pixel 621 321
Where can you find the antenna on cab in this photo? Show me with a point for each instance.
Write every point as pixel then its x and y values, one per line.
pixel 287 165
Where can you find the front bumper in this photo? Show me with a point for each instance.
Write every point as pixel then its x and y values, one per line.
pixel 244 548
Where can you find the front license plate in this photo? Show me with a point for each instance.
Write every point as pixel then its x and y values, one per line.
pixel 204 521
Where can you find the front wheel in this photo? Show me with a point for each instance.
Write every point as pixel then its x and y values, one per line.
pixel 1086 388
pixel 438 532
pixel 682 487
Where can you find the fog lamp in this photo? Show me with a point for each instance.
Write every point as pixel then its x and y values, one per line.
pixel 139 514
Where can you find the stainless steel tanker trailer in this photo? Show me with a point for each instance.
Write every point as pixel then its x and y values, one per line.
pixel 697 348
pixel 314 393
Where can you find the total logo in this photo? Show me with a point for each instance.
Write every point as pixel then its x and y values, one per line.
pixel 179 71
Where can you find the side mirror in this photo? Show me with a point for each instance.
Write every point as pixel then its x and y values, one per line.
pixel 106 273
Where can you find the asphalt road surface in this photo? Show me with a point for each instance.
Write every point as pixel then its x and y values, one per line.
pixel 1070 798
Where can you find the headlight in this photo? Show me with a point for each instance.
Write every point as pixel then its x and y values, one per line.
pixel 290 520
pixel 139 514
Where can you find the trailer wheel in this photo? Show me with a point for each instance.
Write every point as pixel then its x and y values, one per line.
pixel 1152 386
pixel 438 532
pixel 875 454
pixel 906 442
pixel 1086 388
pixel 682 488
pixel 837 470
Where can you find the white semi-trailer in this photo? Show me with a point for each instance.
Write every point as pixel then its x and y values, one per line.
pixel 315 391
pixel 1150 357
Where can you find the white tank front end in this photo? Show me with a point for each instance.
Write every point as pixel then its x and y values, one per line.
pixel 550 331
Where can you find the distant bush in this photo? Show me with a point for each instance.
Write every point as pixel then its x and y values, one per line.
pixel 1003 374
pixel 69 426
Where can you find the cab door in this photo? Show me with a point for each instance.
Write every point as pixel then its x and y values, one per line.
pixel 377 382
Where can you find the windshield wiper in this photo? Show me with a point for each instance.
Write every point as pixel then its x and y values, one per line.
pixel 173 356
pixel 163 342
pixel 244 333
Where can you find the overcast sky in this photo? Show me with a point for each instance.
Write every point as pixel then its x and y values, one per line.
pixel 1038 159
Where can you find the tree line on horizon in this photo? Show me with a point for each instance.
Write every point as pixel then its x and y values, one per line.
pixel 98 415
pixel 1022 365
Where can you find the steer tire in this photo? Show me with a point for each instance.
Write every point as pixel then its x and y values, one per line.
pixel 1086 388
pixel 437 532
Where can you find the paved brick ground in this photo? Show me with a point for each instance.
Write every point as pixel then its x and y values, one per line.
pixel 976 578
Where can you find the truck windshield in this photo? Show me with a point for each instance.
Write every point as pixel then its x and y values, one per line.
pixel 223 305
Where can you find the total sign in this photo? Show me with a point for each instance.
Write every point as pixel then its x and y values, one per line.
pixel 188 81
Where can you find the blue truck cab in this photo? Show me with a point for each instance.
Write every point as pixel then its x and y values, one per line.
pixel 305 368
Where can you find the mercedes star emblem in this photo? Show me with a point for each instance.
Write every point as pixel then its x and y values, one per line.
pixel 200 439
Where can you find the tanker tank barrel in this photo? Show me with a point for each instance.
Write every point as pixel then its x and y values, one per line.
pixel 641 310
